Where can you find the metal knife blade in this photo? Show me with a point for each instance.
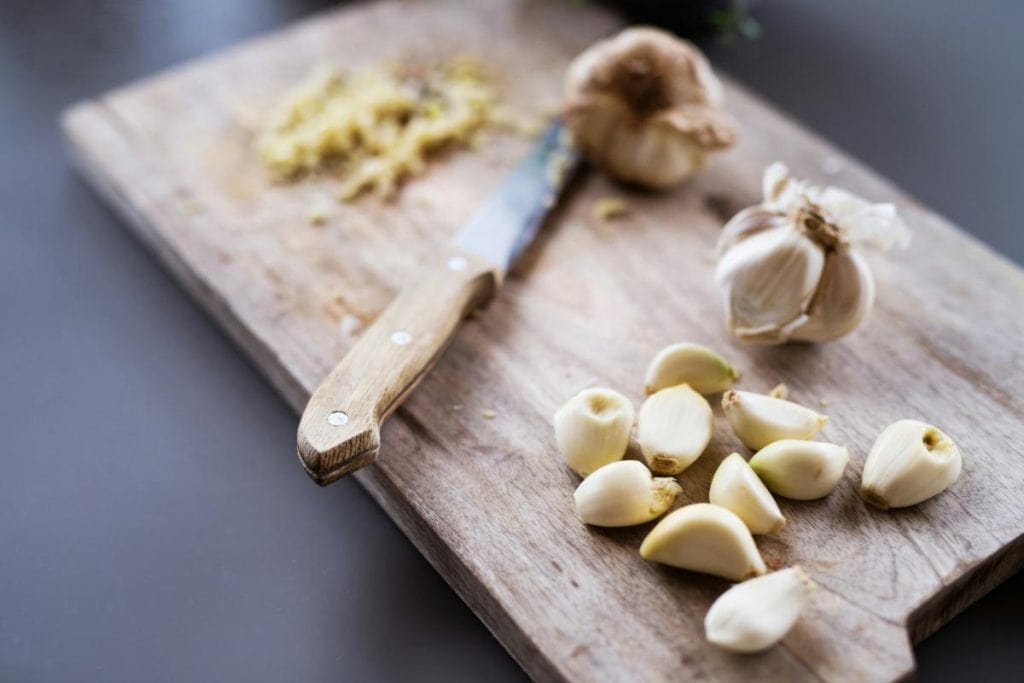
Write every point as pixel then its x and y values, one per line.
pixel 508 221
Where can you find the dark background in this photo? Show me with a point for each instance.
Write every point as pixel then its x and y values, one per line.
pixel 154 523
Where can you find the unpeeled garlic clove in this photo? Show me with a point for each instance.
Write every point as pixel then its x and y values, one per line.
pixel 704 370
pixel 592 429
pixel 801 470
pixel 736 487
pixel 704 538
pixel 910 462
pixel 624 494
pixel 756 614
pixel 674 428
pixel 758 420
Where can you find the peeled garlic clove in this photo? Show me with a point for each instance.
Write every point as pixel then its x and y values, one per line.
pixel 674 428
pixel 736 487
pixel 645 106
pixel 801 470
pixel 704 370
pixel 624 494
pixel 910 462
pixel 592 429
pixel 756 614
pixel 704 538
pixel 758 420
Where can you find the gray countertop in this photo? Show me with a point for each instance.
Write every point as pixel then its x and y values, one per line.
pixel 154 522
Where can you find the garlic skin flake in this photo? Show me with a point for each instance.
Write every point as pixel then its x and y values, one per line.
pixel 910 462
pixel 645 106
pixel 624 493
pixel 704 370
pixel 592 429
pixel 754 615
pixel 787 266
pixel 801 470
pixel 704 538
pixel 737 487
pixel 758 420
pixel 673 428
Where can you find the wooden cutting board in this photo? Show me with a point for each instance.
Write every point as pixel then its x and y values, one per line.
pixel 488 501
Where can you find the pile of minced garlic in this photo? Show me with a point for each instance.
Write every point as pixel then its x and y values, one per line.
pixel 376 125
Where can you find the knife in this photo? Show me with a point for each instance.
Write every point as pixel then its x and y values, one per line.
pixel 339 431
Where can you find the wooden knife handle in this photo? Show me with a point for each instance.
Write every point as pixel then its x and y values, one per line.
pixel 340 428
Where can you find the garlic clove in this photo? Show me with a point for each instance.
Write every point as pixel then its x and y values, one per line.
pixel 769 280
pixel 758 420
pixel 756 614
pixel 844 299
pixel 801 470
pixel 704 370
pixel 592 429
pixel 645 106
pixel 749 221
pixel 704 538
pixel 736 487
pixel 673 428
pixel 910 462
pixel 624 493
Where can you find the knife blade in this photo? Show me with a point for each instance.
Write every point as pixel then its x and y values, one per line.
pixel 339 431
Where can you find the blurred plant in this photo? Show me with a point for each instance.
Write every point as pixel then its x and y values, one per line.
pixel 724 20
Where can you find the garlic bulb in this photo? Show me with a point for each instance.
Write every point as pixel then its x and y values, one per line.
pixel 705 538
pixel 592 429
pixel 754 615
pixel 644 106
pixel 787 268
pixel 910 462
pixel 624 493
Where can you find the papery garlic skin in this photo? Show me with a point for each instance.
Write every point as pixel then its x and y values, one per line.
pixel 645 106
pixel 737 488
pixel 758 420
pixel 787 268
pixel 800 470
pixel 673 428
pixel 592 429
pixel 685 363
pixel 704 538
pixel 910 462
pixel 623 493
pixel 755 615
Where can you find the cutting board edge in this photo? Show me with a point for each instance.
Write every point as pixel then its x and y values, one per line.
pixel 937 609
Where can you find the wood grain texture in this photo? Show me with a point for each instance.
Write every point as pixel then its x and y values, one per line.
pixel 390 359
pixel 488 501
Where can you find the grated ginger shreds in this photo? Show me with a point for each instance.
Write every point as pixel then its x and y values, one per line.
pixel 376 125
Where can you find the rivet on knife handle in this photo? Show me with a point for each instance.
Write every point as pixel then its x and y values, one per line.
pixel 340 429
